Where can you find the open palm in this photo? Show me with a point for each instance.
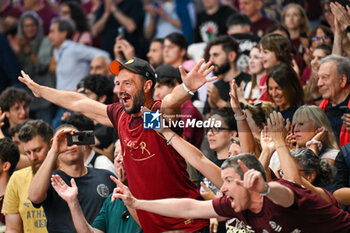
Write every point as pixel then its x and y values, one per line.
pixel 67 193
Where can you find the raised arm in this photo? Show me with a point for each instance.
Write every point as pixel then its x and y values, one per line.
pixel 247 140
pixel 41 180
pixel 195 157
pixel 70 195
pixel 276 192
pixel 174 207
pixel 70 100
pixel 192 81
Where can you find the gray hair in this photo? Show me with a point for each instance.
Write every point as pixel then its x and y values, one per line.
pixel 342 64
pixel 249 160
pixel 106 58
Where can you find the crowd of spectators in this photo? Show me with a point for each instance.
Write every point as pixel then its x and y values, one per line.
pixel 239 120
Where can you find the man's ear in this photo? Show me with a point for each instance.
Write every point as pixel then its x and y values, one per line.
pixel 232 56
pixel 343 81
pixel 7 114
pixel 102 99
pixel 147 86
pixel 6 166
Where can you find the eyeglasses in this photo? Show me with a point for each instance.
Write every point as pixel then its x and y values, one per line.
pixel 215 130
pixel 323 38
pixel 125 215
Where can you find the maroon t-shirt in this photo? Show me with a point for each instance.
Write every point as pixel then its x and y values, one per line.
pixel 259 27
pixel 154 170
pixel 309 213
pixel 194 135
pixel 12 11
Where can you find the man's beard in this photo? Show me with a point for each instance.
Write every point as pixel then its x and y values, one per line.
pixel 139 101
pixel 34 168
pixel 222 69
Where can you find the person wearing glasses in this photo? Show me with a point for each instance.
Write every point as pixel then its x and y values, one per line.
pixel 320 35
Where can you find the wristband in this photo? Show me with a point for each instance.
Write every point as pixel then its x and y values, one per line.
pixel 169 141
pixel 314 142
pixel 187 90
pixel 268 190
pixel 241 117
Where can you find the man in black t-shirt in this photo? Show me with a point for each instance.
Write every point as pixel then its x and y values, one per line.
pixel 223 52
pixel 212 21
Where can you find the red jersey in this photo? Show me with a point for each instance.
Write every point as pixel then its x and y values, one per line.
pixel 154 170
pixel 309 213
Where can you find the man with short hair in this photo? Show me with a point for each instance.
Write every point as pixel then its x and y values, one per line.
pixel 9 156
pixel 238 26
pixel 21 216
pixel 94 184
pixel 252 9
pixel 14 102
pixel 223 52
pixel 251 204
pixel 155 53
pixel 72 59
pixel 212 21
pixel 100 65
pixel 147 167
pixel 334 86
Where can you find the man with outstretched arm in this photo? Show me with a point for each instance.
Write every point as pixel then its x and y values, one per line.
pixel 154 172
pixel 252 204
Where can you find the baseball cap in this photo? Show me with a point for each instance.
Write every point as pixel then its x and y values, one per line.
pixel 168 72
pixel 135 65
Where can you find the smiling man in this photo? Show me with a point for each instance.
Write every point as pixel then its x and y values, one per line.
pixel 251 204
pixel 153 168
pixel 334 86
pixel 21 216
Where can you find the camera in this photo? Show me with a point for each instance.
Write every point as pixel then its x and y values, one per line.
pixel 81 138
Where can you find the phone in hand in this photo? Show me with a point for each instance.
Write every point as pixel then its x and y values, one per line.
pixel 81 138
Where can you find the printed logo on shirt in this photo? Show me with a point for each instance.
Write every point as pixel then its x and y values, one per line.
pixel 103 190
pixel 234 225
pixel 151 120
pixel 275 226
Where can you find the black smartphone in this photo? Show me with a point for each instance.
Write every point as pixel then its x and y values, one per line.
pixel 121 32
pixel 81 138
pixel 344 109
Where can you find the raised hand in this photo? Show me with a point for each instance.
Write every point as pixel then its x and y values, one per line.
pixel 59 143
pixel 252 180
pixel 206 192
pixel 266 141
pixel 236 107
pixel 69 194
pixel 276 128
pixel 33 86
pixel 340 13
pixel 122 192
pixel 321 134
pixel 197 77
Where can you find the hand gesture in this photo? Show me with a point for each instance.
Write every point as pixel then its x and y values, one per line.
pixel 346 120
pixel 122 192
pixel 236 106
pixel 69 194
pixel 206 192
pixel 119 165
pixel 321 134
pixel 33 86
pixel 266 141
pixel 291 141
pixel 59 143
pixel 276 128
pixel 213 225
pixel 252 180
pixel 197 77
pixel 213 96
pixel 340 13
pixel 122 46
